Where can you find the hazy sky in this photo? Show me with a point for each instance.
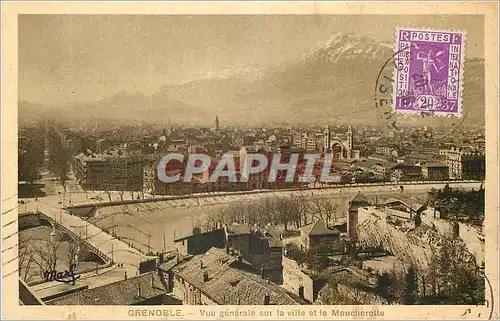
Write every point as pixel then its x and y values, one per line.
pixel 66 58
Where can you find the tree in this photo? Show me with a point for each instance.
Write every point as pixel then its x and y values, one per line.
pixel 26 259
pixel 73 256
pixel 59 155
pixel 384 285
pixel 303 209
pixel 283 208
pixel 459 205
pixel 121 192
pixel 347 289
pixel 410 289
pixel 324 210
pixel 108 192
pixel 46 256
pixel 28 167
pixel 63 167
pixel 30 156
pixel 315 261
pixel 459 279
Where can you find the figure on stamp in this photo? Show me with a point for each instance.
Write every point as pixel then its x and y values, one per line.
pixel 429 61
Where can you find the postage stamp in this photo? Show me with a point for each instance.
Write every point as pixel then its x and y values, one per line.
pixel 429 72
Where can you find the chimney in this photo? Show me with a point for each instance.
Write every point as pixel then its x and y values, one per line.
pixel 205 276
pixel 125 275
pixel 301 292
pixel 139 288
pixel 267 299
pixel 227 249
pixel 262 272
pixel 152 281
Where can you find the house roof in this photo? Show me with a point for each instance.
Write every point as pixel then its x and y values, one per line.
pixel 435 164
pixel 124 292
pixel 228 284
pixel 214 233
pixel 409 203
pixel 319 228
pixel 271 234
pixel 359 198
pixel 238 229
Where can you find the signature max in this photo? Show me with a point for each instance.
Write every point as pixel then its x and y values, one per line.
pixel 61 276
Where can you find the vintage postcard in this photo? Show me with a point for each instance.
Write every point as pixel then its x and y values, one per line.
pixel 249 160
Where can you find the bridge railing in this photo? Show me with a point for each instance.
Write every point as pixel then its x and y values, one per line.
pixel 91 247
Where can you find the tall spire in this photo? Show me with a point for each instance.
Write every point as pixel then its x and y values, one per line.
pixel 350 142
pixel 217 122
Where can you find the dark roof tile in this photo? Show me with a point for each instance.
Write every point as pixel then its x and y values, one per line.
pixel 124 292
pixel 319 228
pixel 229 285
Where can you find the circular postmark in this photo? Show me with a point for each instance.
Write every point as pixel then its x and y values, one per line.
pixel 425 106
pixel 491 303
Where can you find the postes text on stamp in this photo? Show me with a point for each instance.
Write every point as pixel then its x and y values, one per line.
pixel 429 72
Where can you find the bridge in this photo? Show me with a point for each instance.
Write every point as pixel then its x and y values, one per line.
pixel 103 243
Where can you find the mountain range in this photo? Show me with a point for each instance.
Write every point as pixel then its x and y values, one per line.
pixel 334 83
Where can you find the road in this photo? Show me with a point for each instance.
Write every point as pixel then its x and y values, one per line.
pixel 91 279
pixel 202 199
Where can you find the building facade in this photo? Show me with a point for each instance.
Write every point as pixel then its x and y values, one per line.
pixel 319 236
pixel 466 164
pixel 109 172
pixel 341 145
pixel 435 172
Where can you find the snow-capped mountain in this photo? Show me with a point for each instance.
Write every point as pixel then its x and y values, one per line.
pixel 349 45
pixel 335 82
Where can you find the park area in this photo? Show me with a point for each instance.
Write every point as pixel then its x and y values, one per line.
pixel 39 252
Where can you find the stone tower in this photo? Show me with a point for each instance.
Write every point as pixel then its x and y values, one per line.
pixel 349 142
pixel 359 200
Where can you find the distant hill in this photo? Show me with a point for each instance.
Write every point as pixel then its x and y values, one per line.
pixel 334 83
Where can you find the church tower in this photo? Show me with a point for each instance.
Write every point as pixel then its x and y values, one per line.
pixel 349 142
pixel 217 122
pixel 326 139
pixel 349 138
